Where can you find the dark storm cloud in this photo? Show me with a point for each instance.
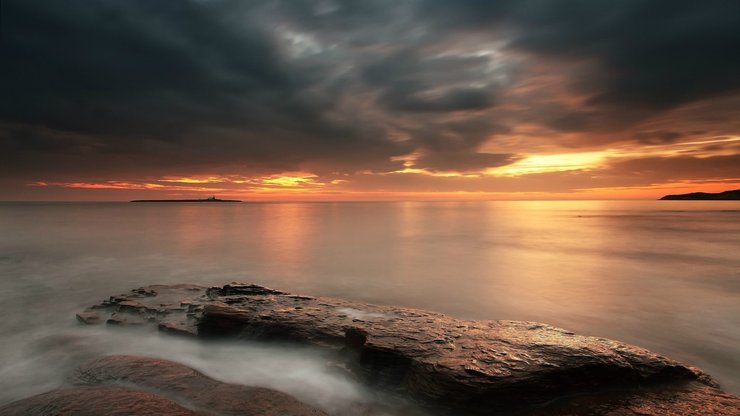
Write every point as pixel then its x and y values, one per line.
pixel 651 54
pixel 438 84
pixel 658 136
pixel 659 169
pixel 569 120
pixel 453 100
pixel 463 135
pixel 464 161
pixel 128 68
pixel 201 83
pixel 139 87
pixel 454 145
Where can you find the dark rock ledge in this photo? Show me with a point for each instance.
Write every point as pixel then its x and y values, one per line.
pixel 467 367
pixel 126 385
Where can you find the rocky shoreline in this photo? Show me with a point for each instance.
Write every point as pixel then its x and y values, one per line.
pixel 732 195
pixel 128 385
pixel 452 366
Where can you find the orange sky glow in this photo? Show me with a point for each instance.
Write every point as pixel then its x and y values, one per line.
pixel 589 168
pixel 445 101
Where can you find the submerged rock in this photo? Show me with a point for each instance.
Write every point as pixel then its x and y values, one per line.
pixel 128 385
pixel 472 366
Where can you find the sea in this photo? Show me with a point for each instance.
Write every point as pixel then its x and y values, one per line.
pixel 664 275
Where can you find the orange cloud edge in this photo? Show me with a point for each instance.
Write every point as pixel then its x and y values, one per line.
pixel 292 188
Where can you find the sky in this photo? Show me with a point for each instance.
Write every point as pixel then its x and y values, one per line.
pixel 368 100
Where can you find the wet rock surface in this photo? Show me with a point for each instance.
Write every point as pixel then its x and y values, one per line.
pixel 672 400
pixel 129 385
pixel 96 401
pixel 478 367
pixel 187 385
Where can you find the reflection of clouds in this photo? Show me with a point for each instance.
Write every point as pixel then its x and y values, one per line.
pixel 287 231
pixel 534 256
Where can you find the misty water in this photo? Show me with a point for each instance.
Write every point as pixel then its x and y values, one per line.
pixel 664 275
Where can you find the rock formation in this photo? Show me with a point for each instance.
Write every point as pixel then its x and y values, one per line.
pixel 127 385
pixel 475 367
pixel 96 401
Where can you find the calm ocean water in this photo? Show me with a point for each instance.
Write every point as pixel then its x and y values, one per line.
pixel 664 275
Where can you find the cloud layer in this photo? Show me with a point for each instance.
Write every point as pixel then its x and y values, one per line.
pixel 372 96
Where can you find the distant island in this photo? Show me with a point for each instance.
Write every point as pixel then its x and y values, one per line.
pixel 211 199
pixel 704 196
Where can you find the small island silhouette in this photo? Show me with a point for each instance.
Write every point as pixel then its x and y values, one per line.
pixel 209 199
pixel 705 196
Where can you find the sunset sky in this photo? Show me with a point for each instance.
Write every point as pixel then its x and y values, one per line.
pixel 343 100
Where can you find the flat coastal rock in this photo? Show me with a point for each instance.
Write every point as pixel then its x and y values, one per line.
pixel 187 385
pixel 96 401
pixel 478 367
pixel 129 385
